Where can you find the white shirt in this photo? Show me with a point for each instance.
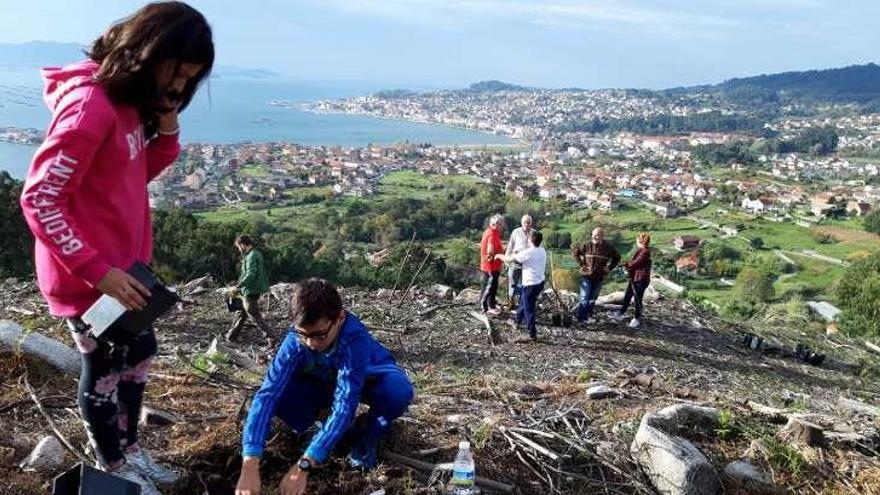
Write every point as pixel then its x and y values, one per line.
pixel 519 241
pixel 534 263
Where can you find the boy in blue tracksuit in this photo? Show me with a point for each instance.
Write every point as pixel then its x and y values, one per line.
pixel 327 360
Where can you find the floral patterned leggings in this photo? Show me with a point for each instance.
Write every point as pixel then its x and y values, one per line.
pixel 111 389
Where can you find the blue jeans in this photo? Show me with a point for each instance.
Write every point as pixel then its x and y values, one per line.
pixel 589 293
pixel 527 307
pixel 388 395
pixel 514 278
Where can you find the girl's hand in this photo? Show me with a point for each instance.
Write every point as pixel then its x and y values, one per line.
pixel 124 288
pixel 168 122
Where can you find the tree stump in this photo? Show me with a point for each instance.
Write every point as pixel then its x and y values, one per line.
pixel 799 431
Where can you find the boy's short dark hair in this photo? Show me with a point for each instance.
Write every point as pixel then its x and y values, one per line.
pixel 244 240
pixel 537 237
pixel 312 300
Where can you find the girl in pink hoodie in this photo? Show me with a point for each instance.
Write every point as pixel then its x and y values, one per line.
pixel 113 129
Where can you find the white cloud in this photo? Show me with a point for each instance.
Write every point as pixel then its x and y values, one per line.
pixel 557 14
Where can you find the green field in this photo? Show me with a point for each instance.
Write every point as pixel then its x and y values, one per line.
pixel 817 275
pixel 412 184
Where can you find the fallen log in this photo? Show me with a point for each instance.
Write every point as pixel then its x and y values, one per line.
pixel 428 467
pixel 64 358
pixel 25 312
pixel 772 414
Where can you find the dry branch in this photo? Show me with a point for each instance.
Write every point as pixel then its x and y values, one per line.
pixel 79 455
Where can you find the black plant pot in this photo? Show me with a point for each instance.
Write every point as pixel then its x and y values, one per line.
pixel 86 480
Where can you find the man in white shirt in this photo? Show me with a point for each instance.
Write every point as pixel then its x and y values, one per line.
pixel 534 264
pixel 519 241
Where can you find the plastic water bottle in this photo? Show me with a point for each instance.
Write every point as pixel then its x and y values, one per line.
pixel 463 471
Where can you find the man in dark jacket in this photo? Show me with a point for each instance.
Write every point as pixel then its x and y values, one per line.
pixel 252 283
pixel 596 259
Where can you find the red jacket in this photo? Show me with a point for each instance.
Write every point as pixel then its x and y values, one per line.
pixel 491 237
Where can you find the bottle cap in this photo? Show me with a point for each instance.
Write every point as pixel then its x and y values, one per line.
pixel 464 445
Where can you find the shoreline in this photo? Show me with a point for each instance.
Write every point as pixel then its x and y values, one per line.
pixel 516 141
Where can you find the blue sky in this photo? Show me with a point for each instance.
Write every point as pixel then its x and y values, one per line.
pixel 552 43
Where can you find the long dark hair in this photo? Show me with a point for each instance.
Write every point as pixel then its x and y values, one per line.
pixel 131 51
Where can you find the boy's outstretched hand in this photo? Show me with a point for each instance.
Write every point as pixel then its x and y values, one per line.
pixel 249 479
pixel 294 482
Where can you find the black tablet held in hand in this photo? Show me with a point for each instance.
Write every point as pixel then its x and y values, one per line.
pixel 109 320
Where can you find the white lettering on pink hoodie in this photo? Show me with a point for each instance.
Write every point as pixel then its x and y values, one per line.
pixel 85 197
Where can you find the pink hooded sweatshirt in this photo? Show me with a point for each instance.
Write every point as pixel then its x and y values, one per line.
pixel 85 197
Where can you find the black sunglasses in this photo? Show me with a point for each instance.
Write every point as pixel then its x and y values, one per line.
pixel 313 335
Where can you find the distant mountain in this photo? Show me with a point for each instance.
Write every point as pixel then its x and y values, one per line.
pixel 36 54
pixel 494 86
pixel 856 83
pixel 233 72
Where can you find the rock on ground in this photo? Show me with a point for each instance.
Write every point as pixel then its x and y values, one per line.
pixel 156 417
pixel 674 465
pixel 601 392
pixel 858 407
pixel 238 358
pixel 441 291
pixel 48 456
pixel 746 476
pixel 468 295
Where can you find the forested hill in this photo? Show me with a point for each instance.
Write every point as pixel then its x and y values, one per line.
pixel 856 83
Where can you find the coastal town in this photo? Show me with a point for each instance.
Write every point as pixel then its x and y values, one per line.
pixel 213 175
pixel 553 160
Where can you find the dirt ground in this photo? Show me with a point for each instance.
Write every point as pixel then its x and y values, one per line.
pixel 492 394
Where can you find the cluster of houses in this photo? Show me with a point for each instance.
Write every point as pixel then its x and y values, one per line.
pixel 855 201
pixel 527 114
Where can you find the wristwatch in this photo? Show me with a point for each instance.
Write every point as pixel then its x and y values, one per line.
pixel 304 465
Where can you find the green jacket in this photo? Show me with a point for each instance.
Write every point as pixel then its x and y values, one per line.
pixel 253 280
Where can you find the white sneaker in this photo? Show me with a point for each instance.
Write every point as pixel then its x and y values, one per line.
pixel 635 323
pixel 141 462
pixel 128 473
pixel 493 312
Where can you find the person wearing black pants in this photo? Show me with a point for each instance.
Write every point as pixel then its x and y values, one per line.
pixel 111 389
pixel 637 289
pixel 491 245
pixel 490 289
pixel 639 269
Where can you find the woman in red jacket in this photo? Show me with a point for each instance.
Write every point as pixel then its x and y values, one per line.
pixel 639 269
pixel 491 245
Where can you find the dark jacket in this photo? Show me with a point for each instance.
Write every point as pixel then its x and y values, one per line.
pixel 639 267
pixel 595 260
